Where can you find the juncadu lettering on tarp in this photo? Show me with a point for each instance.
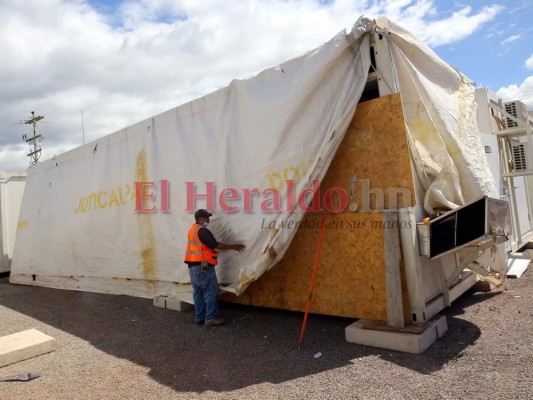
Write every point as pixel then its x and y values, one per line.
pixel 102 199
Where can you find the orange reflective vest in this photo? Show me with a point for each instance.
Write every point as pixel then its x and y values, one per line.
pixel 197 251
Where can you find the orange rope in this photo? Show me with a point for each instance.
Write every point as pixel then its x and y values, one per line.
pixel 312 286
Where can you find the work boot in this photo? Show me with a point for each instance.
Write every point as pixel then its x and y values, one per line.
pixel 215 322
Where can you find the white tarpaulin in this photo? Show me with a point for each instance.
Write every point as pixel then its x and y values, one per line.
pixel 78 226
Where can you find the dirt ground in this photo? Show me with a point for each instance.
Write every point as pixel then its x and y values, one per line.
pixel 119 347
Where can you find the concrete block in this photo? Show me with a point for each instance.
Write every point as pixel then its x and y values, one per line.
pixel 171 303
pixel 160 301
pixel 23 345
pixel 178 305
pixel 399 341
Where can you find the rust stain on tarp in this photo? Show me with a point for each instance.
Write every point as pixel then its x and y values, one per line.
pixel 272 253
pixel 244 281
pixel 146 229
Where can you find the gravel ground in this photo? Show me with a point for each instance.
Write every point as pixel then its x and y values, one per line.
pixel 119 347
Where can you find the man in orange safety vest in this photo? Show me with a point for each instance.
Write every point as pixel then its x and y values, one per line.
pixel 201 258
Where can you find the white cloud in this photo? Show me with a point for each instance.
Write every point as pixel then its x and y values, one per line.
pixel 61 56
pixel 522 92
pixel 494 33
pixel 510 39
pixel 439 32
pixel 529 62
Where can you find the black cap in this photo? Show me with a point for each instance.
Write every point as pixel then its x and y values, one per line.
pixel 201 213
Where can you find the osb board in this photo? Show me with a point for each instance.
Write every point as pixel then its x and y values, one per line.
pixel 350 280
pixel 375 152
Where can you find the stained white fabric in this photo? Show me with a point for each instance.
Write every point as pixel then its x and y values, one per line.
pixel 80 230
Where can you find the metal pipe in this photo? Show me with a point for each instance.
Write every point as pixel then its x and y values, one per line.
pixel 413 270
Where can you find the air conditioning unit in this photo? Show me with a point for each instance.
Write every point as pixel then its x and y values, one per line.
pixel 518 110
pixel 519 152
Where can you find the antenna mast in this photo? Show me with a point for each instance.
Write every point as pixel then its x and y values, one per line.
pixel 35 149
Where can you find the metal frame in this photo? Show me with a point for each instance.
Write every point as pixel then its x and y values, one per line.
pixel 408 243
pixel 427 226
pixel 504 136
pixel 421 308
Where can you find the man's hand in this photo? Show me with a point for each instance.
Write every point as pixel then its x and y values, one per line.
pixel 238 247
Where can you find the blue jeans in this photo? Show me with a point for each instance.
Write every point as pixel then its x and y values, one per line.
pixel 205 294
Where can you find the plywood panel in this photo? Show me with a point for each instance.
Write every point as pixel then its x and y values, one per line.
pixel 372 161
pixel 375 152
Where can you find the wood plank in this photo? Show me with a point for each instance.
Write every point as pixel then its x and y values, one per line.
pixel 23 345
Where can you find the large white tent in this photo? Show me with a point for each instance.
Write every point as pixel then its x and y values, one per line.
pixel 80 228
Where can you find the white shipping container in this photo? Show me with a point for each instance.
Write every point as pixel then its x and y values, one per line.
pixel 11 191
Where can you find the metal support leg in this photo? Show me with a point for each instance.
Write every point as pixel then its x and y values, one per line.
pixel 392 270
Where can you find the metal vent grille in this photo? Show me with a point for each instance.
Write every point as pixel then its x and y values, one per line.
pixel 510 107
pixel 519 156
pixel 519 111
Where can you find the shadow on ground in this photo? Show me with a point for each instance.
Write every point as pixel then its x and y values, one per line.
pixel 460 334
pixel 257 345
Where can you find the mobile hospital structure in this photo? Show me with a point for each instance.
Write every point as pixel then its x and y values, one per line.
pixel 371 134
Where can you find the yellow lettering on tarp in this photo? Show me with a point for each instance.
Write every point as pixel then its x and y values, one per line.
pixel 114 199
pixel 100 203
pixel 104 198
pixel 122 200
pixel 81 207
pixel 276 180
pixel 90 202
pixel 130 189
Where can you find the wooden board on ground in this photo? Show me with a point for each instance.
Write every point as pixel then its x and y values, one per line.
pixel 23 345
pixel 373 165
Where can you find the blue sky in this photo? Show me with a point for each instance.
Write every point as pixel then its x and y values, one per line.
pixel 494 56
pixel 484 56
pixel 124 61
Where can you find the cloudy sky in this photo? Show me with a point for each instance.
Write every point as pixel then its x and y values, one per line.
pixel 121 61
